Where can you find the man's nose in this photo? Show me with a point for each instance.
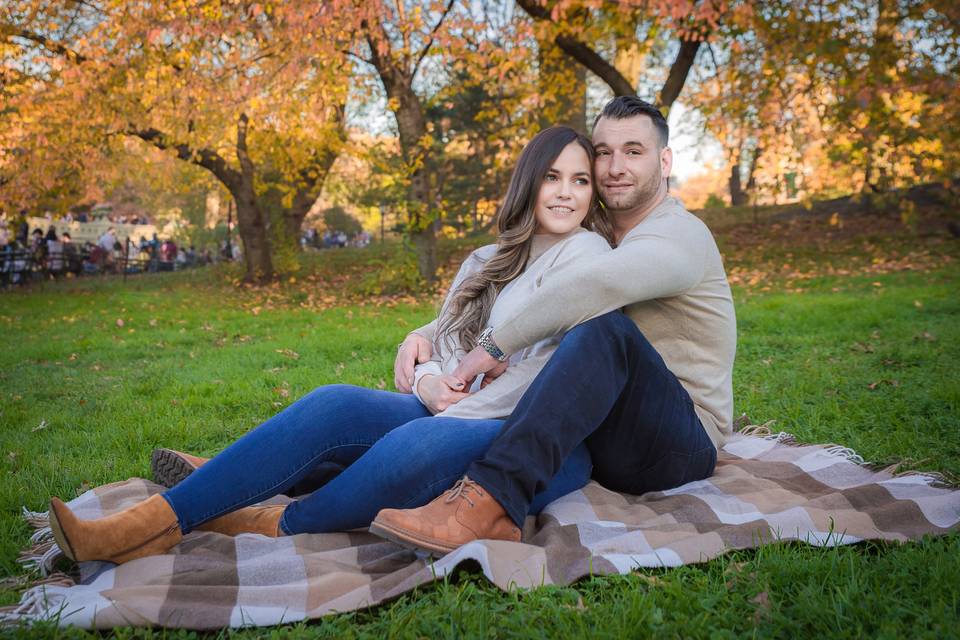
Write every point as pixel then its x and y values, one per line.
pixel 616 166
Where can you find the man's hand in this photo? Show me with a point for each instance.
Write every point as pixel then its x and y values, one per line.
pixel 476 362
pixel 439 392
pixel 415 349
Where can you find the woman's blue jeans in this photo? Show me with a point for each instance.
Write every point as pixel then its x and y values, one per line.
pixel 395 454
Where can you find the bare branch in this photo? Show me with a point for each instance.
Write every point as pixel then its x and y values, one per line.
pixel 206 158
pixel 433 33
pixel 582 53
pixel 679 71
pixel 48 44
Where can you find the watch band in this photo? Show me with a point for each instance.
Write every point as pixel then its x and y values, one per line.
pixel 486 341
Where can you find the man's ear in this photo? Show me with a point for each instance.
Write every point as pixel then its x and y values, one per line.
pixel 666 161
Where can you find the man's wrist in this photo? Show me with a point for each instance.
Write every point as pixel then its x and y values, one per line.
pixel 485 342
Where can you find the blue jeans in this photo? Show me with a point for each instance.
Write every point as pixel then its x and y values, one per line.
pixel 605 386
pixel 394 453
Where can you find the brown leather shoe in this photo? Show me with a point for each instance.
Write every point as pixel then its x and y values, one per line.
pixel 264 520
pixel 145 529
pixel 462 514
pixel 170 467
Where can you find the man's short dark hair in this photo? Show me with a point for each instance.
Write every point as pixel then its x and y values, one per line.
pixel 623 107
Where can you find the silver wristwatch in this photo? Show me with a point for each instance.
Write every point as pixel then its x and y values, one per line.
pixel 486 341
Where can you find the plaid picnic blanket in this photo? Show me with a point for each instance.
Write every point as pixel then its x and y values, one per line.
pixel 765 489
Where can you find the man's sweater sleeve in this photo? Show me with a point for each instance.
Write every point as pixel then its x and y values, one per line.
pixel 663 259
pixel 427 331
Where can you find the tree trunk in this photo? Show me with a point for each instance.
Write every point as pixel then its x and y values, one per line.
pixel 737 195
pixel 253 232
pixel 412 127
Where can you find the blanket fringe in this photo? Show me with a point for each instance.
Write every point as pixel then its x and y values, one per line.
pixel 35 604
pixel 934 478
pixel 43 550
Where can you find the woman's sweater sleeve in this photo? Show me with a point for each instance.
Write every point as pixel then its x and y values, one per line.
pixel 446 347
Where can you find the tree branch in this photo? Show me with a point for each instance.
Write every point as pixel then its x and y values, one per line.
pixel 206 158
pixel 582 53
pixel 679 71
pixel 433 33
pixel 46 43
pixel 595 63
pixel 243 154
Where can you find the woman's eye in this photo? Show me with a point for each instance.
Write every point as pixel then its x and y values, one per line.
pixel 550 177
pixel 582 181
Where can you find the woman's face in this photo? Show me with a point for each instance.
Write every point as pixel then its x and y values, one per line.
pixel 565 193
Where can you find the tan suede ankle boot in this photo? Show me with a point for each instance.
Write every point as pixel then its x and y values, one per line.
pixel 145 529
pixel 170 467
pixel 264 520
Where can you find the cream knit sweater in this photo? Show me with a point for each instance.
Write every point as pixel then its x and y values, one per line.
pixel 548 255
pixel 668 276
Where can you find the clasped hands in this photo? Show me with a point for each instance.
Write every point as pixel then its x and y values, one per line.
pixel 440 392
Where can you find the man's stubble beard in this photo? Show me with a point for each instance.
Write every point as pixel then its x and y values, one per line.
pixel 639 198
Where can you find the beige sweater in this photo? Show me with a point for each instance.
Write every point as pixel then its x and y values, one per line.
pixel 548 256
pixel 668 275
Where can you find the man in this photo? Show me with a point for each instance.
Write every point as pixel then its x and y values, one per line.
pixel 107 243
pixel 649 390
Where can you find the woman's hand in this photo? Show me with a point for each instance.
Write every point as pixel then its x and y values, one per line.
pixel 440 392
pixel 415 349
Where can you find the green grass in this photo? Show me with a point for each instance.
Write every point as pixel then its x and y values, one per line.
pixel 850 338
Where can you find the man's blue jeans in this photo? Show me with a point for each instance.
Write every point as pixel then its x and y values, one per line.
pixel 607 386
pixel 395 454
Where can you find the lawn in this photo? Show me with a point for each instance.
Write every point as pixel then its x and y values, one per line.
pixel 848 333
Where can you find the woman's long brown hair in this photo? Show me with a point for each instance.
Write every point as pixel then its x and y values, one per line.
pixel 469 309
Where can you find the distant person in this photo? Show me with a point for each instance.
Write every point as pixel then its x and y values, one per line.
pixel 107 244
pixel 23 229
pixel 54 260
pixel 71 256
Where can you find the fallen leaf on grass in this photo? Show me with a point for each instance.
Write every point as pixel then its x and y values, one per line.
pixel 43 425
pixel 874 385
pixel 381 384
pixel 119 322
pixel 153 322
pixel 74 356
pixel 579 606
pixel 762 600
pixel 290 353
pixel 863 347
pixel 653 581
pixel 926 335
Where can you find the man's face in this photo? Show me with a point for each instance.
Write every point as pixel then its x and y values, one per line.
pixel 630 167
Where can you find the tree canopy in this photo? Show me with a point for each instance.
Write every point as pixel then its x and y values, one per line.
pixel 433 99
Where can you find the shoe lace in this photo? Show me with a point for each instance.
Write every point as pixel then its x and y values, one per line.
pixel 460 489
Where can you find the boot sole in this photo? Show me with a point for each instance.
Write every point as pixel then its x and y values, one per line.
pixel 168 468
pixel 62 541
pixel 409 540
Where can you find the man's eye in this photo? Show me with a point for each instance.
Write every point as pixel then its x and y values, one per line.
pixel 603 153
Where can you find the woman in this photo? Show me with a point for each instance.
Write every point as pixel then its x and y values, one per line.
pixel 398 450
